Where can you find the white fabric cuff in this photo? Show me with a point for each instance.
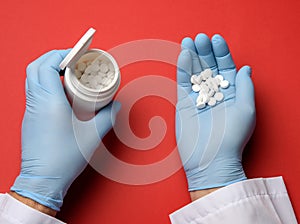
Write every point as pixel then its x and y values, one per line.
pixel 261 200
pixel 17 212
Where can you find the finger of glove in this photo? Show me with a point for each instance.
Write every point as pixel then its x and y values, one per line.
pixel 48 72
pixel 244 87
pixel 90 133
pixel 224 59
pixel 184 71
pixel 188 43
pixel 32 68
pixel 106 118
pixel 205 52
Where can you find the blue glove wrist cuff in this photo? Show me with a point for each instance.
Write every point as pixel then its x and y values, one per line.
pixel 29 188
pixel 204 187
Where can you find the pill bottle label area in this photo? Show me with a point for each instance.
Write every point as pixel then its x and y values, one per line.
pixel 95 74
pixel 208 88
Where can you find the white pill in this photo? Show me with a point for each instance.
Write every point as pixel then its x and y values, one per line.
pixel 203 98
pixel 215 87
pixel 207 73
pixel 98 86
pixel 211 92
pixel 194 79
pixel 106 82
pixel 209 82
pixel 199 79
pixel 217 81
pixel 88 69
pixel 104 68
pixel 200 105
pixel 96 62
pixel 84 78
pixel 219 96
pixel 202 91
pixel 206 98
pixel 220 77
pixel 212 101
pixel 111 67
pixel 111 74
pixel 224 84
pixel 103 79
pixel 93 83
pixel 94 73
pixel 101 74
pixel 196 88
pixel 78 73
pixel 81 66
pixel 98 78
pixel 90 78
pixel 95 67
pixel 204 87
pixel 203 75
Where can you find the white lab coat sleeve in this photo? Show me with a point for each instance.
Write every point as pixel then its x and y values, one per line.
pixel 13 211
pixel 259 201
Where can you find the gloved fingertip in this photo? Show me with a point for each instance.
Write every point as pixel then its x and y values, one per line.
pixel 219 44
pixel 203 44
pixel 245 87
pixel 188 43
pixel 202 38
pixel 249 70
pixel 186 40
pixel 217 38
pixel 246 69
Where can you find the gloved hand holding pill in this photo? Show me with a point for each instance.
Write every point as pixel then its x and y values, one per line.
pixel 56 146
pixel 216 118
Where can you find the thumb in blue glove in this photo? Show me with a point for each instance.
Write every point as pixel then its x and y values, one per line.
pixel 56 146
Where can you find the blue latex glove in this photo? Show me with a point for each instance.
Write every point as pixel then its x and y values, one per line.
pixel 55 144
pixel 211 140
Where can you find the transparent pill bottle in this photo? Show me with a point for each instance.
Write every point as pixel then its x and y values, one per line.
pixel 85 100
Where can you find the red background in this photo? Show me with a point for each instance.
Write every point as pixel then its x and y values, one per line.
pixel 264 34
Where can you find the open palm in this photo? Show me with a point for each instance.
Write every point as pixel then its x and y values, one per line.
pixel 211 140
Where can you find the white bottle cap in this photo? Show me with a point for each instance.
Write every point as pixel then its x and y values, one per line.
pixel 78 50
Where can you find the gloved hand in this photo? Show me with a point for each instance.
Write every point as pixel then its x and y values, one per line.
pixel 56 146
pixel 211 140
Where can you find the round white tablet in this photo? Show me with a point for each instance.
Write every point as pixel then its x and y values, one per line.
pixel 219 96
pixel 212 101
pixel 196 88
pixel 224 84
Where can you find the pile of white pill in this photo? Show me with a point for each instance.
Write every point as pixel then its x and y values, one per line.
pixel 208 88
pixel 96 74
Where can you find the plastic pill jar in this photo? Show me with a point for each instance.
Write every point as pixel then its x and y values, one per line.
pixel 86 100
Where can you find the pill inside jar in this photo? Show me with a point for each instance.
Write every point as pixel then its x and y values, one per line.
pixel 95 71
